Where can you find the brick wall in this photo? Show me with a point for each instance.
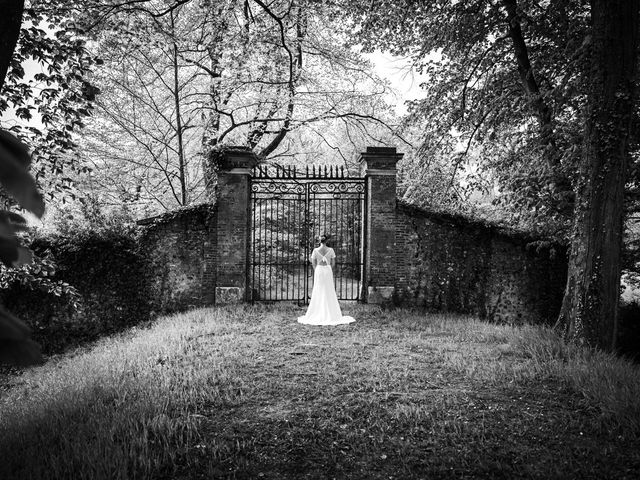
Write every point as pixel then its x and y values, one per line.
pixel 381 231
pixel 179 251
pixel 447 263
pixel 232 230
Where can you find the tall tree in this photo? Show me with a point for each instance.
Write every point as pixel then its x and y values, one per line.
pixel 503 86
pixel 143 140
pixel 517 79
pixel 590 308
pixel 266 75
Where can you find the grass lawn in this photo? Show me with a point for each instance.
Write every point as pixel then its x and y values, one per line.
pixel 248 393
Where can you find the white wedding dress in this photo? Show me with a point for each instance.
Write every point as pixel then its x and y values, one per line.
pixel 324 308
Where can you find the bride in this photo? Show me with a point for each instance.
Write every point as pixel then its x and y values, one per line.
pixel 324 308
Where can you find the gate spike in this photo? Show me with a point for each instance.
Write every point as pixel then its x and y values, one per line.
pixel 325 171
pixel 331 171
pixel 307 171
pixel 342 171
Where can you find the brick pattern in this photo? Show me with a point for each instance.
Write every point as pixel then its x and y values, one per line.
pixel 378 164
pixel 446 263
pixel 232 223
pixel 180 259
pixel 381 235
pixel 233 192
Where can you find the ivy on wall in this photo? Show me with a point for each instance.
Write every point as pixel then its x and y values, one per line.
pixel 98 290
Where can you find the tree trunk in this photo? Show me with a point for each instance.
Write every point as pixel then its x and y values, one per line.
pixel 211 131
pixel 179 129
pixel 10 22
pixel 590 307
pixel 527 75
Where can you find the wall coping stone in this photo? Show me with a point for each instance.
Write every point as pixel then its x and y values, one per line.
pixel 380 158
pixel 381 172
pixel 520 237
pixel 231 157
pixel 167 217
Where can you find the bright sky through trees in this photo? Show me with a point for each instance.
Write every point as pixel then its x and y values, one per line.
pixel 404 80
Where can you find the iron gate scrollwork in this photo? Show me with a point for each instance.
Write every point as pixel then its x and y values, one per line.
pixel 289 209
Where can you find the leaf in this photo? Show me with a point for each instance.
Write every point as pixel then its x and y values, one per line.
pixel 25 257
pixel 16 347
pixel 14 177
pixel 23 353
pixel 9 251
pixel 10 223
pixel 15 147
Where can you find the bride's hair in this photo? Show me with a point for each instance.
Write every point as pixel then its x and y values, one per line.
pixel 324 238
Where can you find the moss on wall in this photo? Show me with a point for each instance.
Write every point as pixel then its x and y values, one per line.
pixel 106 272
pixel 122 278
pixel 179 258
pixel 449 263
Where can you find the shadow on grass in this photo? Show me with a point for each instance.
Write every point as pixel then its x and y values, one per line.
pixel 248 393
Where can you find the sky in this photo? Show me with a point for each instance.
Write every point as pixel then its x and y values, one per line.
pixel 402 77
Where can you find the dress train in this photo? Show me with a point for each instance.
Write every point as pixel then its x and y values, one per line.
pixel 324 308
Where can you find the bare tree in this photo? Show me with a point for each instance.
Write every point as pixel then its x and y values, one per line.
pixel 264 75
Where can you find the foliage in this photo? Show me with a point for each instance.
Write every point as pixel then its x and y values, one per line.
pixel 108 293
pixel 88 218
pixel 37 275
pixel 47 93
pixel 521 130
pixel 16 347
pixel 276 78
pixel 241 392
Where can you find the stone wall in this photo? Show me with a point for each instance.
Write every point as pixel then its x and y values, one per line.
pixel 108 274
pixel 448 263
pixel 180 258
pixel 122 279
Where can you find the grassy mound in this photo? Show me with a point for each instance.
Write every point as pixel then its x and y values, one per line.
pixel 248 393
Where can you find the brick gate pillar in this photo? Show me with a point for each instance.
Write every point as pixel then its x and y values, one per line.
pixel 378 165
pixel 232 222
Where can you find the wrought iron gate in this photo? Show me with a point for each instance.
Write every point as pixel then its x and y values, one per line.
pixel 289 209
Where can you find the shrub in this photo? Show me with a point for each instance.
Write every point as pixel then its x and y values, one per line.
pixel 92 284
